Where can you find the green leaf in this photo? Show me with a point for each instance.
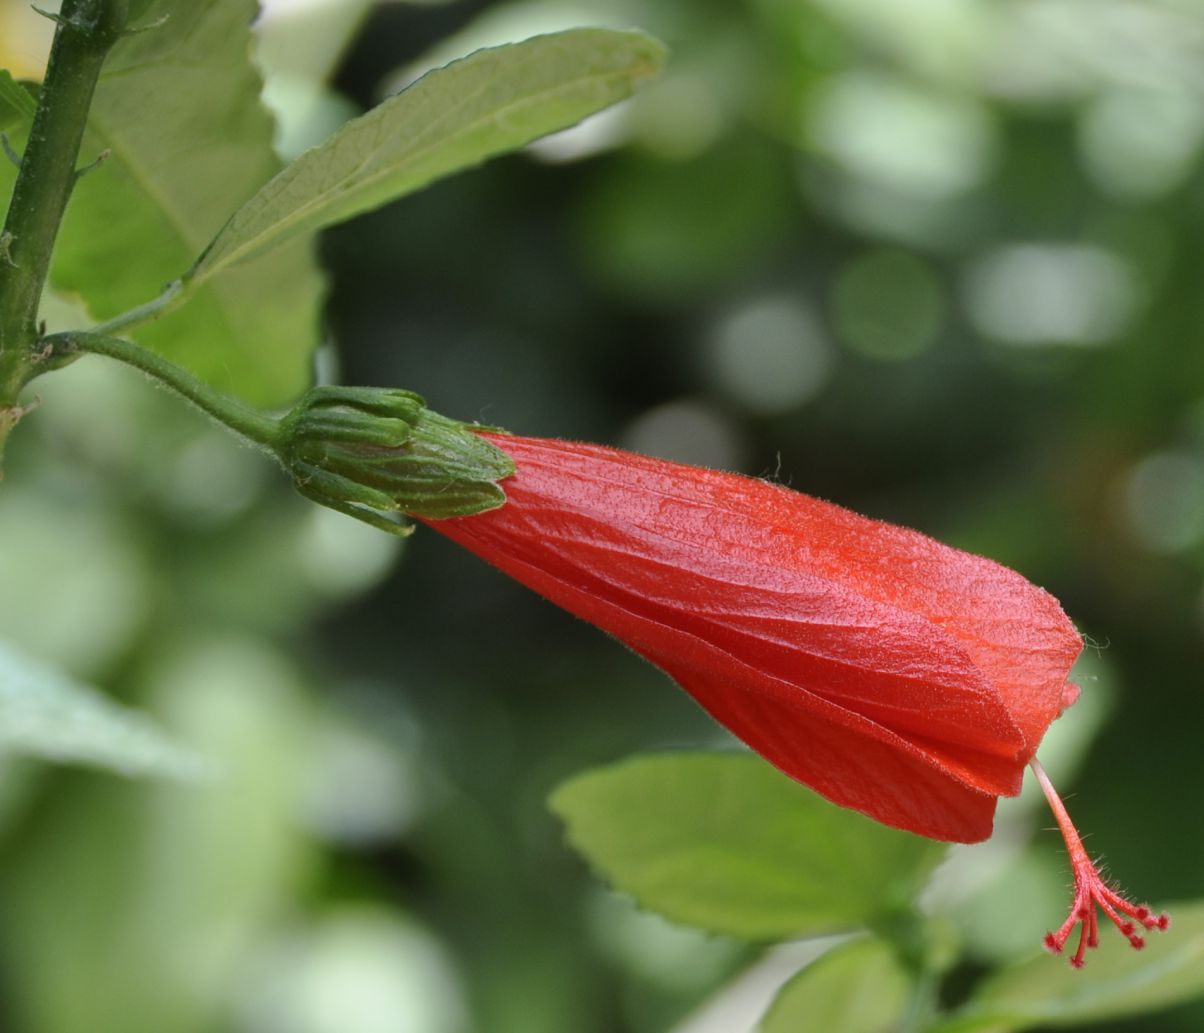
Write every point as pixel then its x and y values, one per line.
pixel 44 713
pixel 178 108
pixel 16 103
pixel 858 987
pixel 726 842
pixel 164 895
pixel 492 101
pixel 1116 981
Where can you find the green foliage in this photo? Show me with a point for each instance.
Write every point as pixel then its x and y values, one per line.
pixel 490 102
pixel 818 188
pixel 673 227
pixel 46 714
pixel 726 842
pixel 177 110
pixel 1116 982
pixel 16 103
pixel 858 987
pixel 133 867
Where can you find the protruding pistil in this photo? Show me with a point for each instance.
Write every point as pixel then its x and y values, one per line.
pixel 1092 893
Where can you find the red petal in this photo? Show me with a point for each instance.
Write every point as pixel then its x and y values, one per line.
pixel 831 643
pixel 1013 632
pixel 894 782
pixel 1070 694
pixel 855 762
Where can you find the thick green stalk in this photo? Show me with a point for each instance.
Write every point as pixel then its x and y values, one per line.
pixel 87 30
pixel 252 424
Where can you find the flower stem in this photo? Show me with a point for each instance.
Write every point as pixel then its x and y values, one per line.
pixel 87 30
pixel 256 426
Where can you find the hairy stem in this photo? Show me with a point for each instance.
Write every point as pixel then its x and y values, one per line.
pixel 256 426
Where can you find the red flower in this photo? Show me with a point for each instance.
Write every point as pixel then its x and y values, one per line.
pixel 894 675
pixel 891 673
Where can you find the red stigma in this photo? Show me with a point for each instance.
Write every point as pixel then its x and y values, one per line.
pixel 1092 893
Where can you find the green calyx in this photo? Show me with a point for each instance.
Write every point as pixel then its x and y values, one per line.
pixel 377 454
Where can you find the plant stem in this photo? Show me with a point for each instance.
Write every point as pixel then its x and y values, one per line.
pixel 256 426
pixel 173 295
pixel 87 30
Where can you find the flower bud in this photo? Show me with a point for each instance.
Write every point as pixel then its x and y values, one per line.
pixel 375 452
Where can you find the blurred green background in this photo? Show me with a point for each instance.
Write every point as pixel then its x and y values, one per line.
pixel 937 261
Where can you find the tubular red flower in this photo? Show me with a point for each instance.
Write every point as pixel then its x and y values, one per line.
pixel 894 675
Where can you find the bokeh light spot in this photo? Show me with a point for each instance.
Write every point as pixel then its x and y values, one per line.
pixel 215 478
pixel 888 304
pixel 341 555
pixel 1035 294
pixel 1162 502
pixel 686 431
pixel 1141 144
pixel 362 787
pixel 770 354
pixel 360 969
pixel 920 143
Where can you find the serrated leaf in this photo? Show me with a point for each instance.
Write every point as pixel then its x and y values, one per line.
pixel 16 102
pixel 726 842
pixel 858 987
pixel 44 713
pixel 178 108
pixel 1115 982
pixel 492 101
